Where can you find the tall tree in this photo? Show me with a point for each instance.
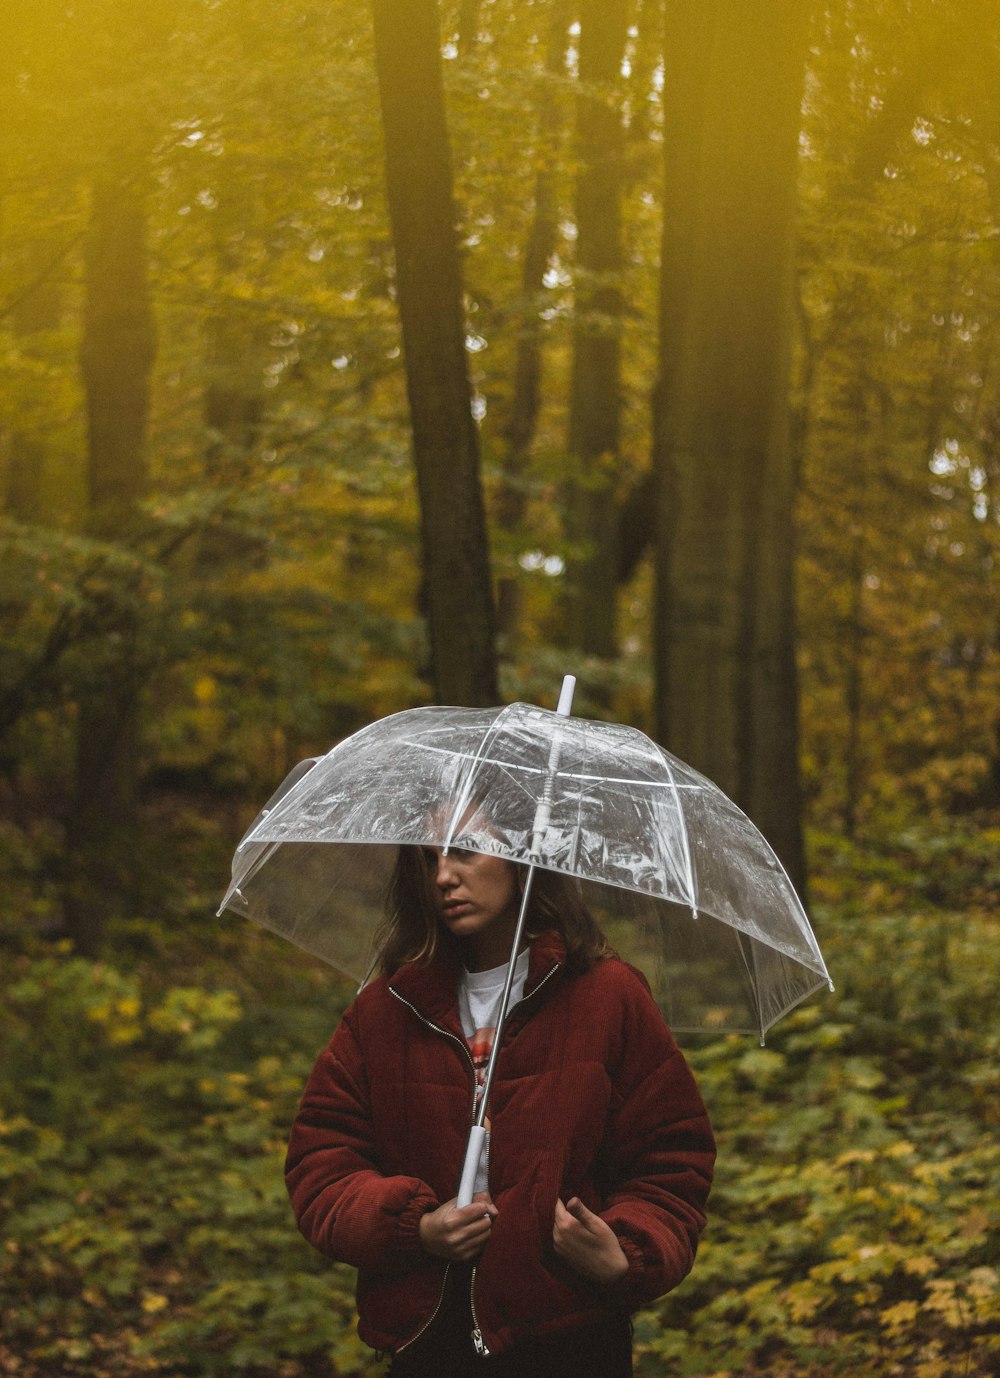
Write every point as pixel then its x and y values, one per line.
pixel 898 637
pixel 543 237
pixel 457 588
pixel 724 637
pixel 235 356
pixel 117 352
pixel 35 311
pixel 595 383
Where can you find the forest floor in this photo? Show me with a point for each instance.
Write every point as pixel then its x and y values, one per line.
pixel 145 1097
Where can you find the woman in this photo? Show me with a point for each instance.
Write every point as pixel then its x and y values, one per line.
pixel 600 1152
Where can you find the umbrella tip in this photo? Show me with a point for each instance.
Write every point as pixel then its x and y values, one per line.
pixel 565 705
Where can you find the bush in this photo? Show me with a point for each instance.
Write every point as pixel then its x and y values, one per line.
pixel 853 1225
pixel 145 1219
pixel 145 1103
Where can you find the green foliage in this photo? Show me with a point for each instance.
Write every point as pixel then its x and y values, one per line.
pixel 66 603
pixel 141 1141
pixel 854 1221
pixel 145 1100
pixel 899 501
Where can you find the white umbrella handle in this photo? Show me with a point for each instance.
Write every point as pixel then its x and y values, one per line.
pixel 473 1156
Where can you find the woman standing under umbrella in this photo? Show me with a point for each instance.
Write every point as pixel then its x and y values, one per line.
pixel 600 1152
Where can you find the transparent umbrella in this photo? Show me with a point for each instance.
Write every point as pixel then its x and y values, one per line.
pixel 683 884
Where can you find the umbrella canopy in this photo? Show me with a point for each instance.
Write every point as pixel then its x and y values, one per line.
pixel 684 885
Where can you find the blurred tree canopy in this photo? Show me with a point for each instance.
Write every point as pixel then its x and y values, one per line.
pixel 209 496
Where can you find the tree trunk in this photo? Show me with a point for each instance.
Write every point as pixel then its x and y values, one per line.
pixel 117 352
pixel 595 384
pixel 854 683
pixel 645 57
pixel 543 238
pixel 37 309
pixel 468 25
pixel 726 695
pixel 457 591
pixel 236 352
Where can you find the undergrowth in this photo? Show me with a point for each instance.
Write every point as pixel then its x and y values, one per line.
pixel 145 1100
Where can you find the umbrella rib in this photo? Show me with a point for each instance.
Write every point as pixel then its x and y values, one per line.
pixel 685 843
pixel 466 795
pixel 806 927
pixel 790 1004
pixel 754 983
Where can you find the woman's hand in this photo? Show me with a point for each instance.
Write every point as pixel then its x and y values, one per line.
pixel 588 1243
pixel 458 1234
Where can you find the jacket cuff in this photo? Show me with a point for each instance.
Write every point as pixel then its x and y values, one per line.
pixel 648 1277
pixel 408 1220
pixel 627 1291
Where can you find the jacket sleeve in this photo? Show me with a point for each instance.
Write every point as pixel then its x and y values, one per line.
pixel 659 1154
pixel 343 1204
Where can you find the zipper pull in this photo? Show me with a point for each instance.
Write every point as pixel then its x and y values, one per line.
pixel 479 1344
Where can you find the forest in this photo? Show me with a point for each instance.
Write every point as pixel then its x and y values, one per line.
pixel 354 358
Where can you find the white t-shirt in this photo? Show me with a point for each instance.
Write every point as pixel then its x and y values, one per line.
pixel 479 995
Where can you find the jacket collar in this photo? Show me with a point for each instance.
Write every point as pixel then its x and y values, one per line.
pixel 431 986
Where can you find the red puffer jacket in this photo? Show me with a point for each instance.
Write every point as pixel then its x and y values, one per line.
pixel 591 1098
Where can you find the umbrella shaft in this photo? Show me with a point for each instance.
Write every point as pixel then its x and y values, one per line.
pixel 505 999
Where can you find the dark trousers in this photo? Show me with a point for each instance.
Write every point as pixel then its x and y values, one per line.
pixel 445 1349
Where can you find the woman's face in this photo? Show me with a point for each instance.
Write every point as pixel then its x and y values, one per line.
pixel 477 900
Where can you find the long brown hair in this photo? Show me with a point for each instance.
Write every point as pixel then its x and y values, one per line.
pixel 411 931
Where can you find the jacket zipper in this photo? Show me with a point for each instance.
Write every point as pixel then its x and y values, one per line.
pixel 479 1344
pixel 472 1067
pixel 429 1023
pixel 430 1319
pixel 547 977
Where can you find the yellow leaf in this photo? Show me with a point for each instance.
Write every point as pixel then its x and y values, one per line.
pixel 903 1313
pixel 154 1301
pixel 976 1222
pixel 205 689
pixel 902 1149
pixel 855 1155
pixel 933 1368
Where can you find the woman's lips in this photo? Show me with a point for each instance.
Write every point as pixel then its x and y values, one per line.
pixel 454 908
